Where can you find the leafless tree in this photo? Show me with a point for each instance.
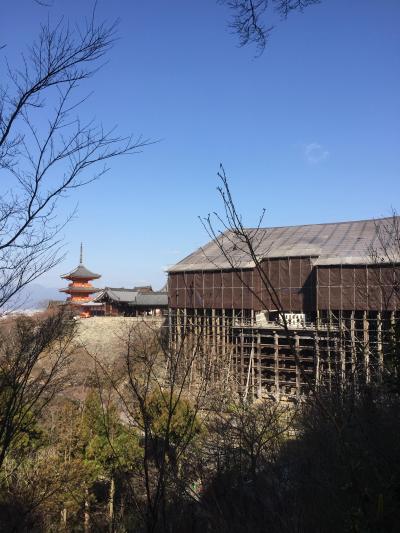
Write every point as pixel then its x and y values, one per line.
pixel 340 407
pixel 152 386
pixel 234 240
pixel 46 149
pixel 34 356
pixel 384 276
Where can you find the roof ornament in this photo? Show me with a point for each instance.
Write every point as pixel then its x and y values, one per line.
pixel 81 255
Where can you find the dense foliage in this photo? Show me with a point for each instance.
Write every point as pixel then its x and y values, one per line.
pixel 135 451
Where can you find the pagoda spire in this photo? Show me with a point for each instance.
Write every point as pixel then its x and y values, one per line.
pixel 81 255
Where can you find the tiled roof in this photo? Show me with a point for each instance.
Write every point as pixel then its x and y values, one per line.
pixel 152 299
pixel 81 272
pixel 118 294
pixel 134 297
pixel 335 243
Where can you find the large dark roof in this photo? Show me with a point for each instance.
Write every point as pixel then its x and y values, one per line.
pixel 81 272
pixel 329 244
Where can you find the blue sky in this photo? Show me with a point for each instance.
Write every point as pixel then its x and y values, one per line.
pixel 310 130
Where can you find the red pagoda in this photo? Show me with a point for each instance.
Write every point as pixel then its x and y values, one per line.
pixel 80 289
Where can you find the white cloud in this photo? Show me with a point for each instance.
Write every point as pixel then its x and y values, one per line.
pixel 315 153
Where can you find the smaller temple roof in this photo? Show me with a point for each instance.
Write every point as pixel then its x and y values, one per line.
pixel 134 297
pixel 155 299
pixel 118 294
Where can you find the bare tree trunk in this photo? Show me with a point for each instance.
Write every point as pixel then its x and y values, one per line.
pixel 86 517
pixel 111 504
pixel 64 518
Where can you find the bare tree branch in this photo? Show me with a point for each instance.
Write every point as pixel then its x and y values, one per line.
pixel 248 18
pixel 46 150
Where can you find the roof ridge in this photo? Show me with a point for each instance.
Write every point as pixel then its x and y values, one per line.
pixel 340 240
pixel 322 223
pixel 119 288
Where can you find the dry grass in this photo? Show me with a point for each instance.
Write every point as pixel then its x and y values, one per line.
pixel 101 339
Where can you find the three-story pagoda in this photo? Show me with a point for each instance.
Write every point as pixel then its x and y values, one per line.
pixel 80 290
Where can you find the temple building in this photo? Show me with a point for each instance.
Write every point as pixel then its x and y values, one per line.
pixel 139 301
pixel 335 285
pixel 80 290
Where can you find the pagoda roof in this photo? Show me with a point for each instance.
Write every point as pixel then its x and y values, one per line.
pixel 81 272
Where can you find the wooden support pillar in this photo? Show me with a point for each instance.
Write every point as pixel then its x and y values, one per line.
pixel 185 331
pixel 213 329
pixel 317 360
pixel 393 335
pixel 328 350
pixel 342 352
pixel 276 361
pixel 259 370
pixel 242 372
pixel 353 347
pixel 298 363
pixel 252 366
pixel 366 346
pixel 237 369
pixel 205 332
pixel 379 348
pixel 178 329
pixel 213 347
pixel 223 333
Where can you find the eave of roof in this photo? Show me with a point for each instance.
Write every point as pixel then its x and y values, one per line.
pixel 81 272
pixel 79 289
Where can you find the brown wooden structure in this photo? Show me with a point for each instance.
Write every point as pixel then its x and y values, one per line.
pixel 336 284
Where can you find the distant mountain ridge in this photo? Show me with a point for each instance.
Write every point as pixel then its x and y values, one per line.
pixel 35 296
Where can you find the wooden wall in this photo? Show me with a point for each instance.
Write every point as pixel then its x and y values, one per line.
pixel 300 287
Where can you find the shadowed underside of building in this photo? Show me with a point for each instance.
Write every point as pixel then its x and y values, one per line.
pixel 336 284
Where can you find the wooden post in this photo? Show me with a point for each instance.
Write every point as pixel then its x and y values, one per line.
pixel 213 350
pixel 342 352
pixel 353 347
pixel 223 333
pixel 86 515
pixel 379 345
pixel 276 359
pixel 366 346
pixel 185 332
pixel 64 518
pixel 242 374
pixel 259 371
pixel 298 362
pixel 111 504
pixel 317 359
